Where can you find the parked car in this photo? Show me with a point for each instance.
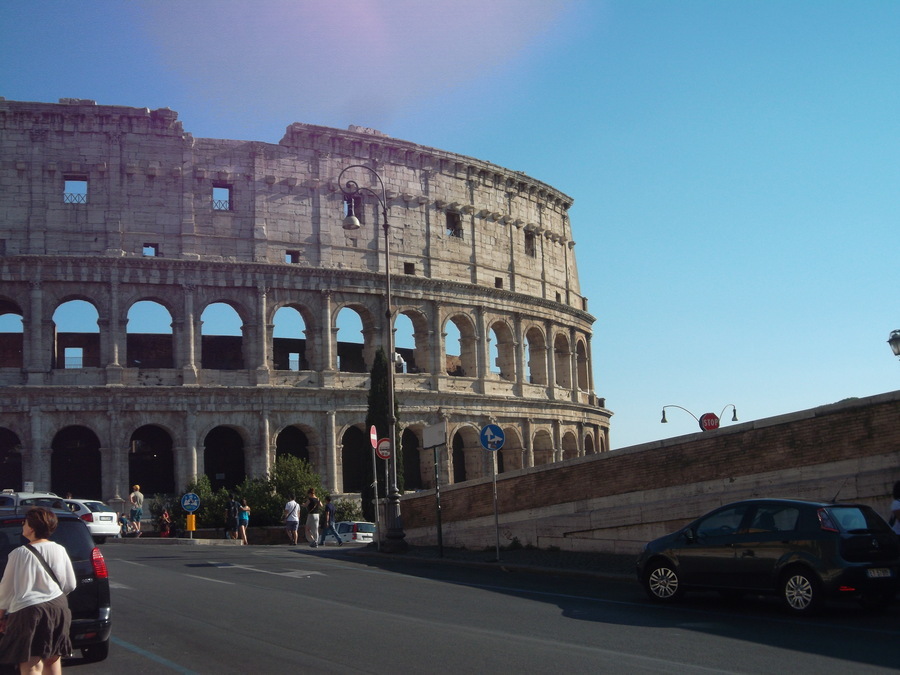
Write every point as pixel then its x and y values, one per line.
pixel 101 520
pixel 90 601
pixel 355 531
pixel 801 551
pixel 10 500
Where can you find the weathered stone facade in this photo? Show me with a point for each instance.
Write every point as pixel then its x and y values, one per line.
pixel 116 206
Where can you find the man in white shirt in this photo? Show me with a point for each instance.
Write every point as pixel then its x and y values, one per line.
pixel 291 520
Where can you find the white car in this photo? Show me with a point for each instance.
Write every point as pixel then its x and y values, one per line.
pixel 102 521
pixel 356 532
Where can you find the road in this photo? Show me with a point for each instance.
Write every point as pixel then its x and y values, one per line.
pixel 224 609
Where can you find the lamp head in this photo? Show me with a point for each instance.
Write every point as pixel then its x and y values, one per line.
pixel 734 414
pixel 351 222
pixel 664 420
pixel 894 342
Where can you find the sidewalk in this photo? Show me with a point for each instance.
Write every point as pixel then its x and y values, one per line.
pixel 605 565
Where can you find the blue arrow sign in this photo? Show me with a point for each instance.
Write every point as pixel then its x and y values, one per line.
pixel 492 437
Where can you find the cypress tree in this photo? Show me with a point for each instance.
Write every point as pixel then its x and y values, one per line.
pixel 377 415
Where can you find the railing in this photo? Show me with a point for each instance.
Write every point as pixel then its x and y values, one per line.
pixel 221 205
pixel 74 198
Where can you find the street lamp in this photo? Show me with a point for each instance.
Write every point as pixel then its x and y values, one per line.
pixel 894 342
pixel 707 421
pixel 351 190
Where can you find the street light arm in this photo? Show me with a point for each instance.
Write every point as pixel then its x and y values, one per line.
pixel 734 417
pixel 664 420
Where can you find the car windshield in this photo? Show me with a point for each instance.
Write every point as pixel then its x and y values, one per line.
pixel 72 534
pixel 98 506
pixel 856 519
pixel 365 527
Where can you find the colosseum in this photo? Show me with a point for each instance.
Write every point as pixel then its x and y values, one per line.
pixel 175 306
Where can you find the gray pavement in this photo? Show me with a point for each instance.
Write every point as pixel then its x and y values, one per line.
pixel 580 563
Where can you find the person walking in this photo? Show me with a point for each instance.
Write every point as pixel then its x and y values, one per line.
pixel 328 527
pixel 291 520
pixel 243 520
pixel 894 520
pixel 137 507
pixel 232 509
pixel 34 612
pixel 313 505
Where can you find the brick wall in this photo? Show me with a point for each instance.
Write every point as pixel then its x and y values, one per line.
pixel 618 500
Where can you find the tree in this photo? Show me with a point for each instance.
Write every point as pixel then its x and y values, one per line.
pixel 377 416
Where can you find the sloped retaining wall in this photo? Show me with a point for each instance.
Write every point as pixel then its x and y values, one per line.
pixel 618 500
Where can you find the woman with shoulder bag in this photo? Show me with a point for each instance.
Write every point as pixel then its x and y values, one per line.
pixel 34 613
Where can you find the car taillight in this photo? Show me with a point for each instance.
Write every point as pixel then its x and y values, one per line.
pixel 355 530
pixel 825 521
pixel 99 564
pixel 88 517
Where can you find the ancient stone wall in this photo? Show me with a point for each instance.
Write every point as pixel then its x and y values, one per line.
pixel 117 206
pixel 620 500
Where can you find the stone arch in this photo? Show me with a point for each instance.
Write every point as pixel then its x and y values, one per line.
pixel 535 355
pixel 151 461
pixel 75 464
pixel 562 361
pixel 509 457
pixel 12 334
pixel 466 454
pixel 464 364
pixel 76 334
pixel 542 444
pixel 10 460
pixel 412 460
pixel 355 357
pixel 503 350
pixel 149 340
pixel 222 336
pixel 293 441
pixel 418 358
pixel 224 457
pixel 582 366
pixel 355 452
pixel 589 448
pixel 569 445
pixel 293 338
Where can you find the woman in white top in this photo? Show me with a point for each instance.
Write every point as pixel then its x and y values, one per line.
pixel 34 613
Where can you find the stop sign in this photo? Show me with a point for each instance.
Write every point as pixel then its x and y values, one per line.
pixel 709 421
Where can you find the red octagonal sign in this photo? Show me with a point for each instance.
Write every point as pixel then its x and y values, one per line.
pixel 709 421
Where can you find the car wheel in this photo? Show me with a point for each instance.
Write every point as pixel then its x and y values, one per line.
pixel 662 583
pixel 97 652
pixel 801 591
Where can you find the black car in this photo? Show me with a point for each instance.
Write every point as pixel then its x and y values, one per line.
pixel 802 551
pixel 89 602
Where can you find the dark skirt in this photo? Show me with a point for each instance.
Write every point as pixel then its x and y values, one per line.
pixel 39 630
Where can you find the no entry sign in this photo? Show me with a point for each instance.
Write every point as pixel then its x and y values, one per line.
pixel 373 436
pixel 383 449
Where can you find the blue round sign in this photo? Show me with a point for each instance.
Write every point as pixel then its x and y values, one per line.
pixel 190 502
pixel 492 437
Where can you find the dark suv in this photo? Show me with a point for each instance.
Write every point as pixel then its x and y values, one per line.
pixel 89 602
pixel 802 551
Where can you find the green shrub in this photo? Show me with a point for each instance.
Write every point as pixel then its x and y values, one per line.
pixel 346 509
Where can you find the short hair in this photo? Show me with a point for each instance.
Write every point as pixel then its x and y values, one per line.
pixel 42 520
pixel 135 487
pixel 327 498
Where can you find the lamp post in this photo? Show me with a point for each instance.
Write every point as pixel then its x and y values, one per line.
pixel 395 540
pixel 894 342
pixel 707 421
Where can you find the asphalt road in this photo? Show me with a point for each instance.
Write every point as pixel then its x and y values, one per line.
pixel 223 609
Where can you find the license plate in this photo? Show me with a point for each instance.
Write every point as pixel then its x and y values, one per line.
pixel 878 572
pixel 106 518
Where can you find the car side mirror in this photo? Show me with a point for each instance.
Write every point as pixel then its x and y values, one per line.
pixel 689 536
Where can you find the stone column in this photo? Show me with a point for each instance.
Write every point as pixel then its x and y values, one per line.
pixel 332 475
pixel 35 348
pixel 189 338
pixel 528 442
pixel 327 337
pixel 264 332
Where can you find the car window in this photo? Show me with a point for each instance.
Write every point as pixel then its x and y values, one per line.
pixel 726 521
pixel 98 506
pixel 7 501
pixel 343 528
pixel 366 527
pixel 49 502
pixel 851 518
pixel 775 518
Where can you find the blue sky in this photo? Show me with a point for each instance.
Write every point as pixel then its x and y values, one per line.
pixel 734 165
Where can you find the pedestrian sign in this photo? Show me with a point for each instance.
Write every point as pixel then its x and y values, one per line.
pixel 190 502
pixel 492 437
